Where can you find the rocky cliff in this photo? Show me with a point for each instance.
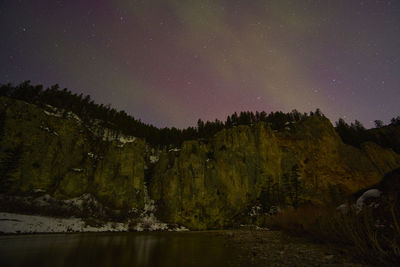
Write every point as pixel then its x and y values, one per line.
pixel 239 173
pixel 248 170
pixel 55 152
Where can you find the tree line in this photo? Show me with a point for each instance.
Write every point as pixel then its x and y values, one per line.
pixel 355 133
pixel 123 123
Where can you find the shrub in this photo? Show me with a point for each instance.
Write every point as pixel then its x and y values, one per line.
pixel 373 234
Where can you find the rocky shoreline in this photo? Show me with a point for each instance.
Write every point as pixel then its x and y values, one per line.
pixel 264 247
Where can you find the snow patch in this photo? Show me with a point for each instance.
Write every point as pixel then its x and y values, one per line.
pixel 372 193
pixel 47 129
pixel 142 220
pixel 95 126
pixel 94 156
pixel 154 159
pixel 255 210
pixel 72 115
pixel 38 190
pixel 126 139
pixel 361 201
pixel 254 227
pixel 109 135
pixel 43 201
pixel 81 201
pixel 147 220
pixel 17 223
pixel 58 115
pixel 179 229
pixel 61 113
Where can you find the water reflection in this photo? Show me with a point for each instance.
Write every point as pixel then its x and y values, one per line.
pixel 116 249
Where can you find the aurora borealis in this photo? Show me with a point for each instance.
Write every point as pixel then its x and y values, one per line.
pixel 170 62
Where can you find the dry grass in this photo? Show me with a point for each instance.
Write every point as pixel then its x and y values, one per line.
pixel 372 234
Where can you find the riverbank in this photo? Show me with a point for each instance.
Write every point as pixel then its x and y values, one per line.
pixel 264 247
pixel 12 223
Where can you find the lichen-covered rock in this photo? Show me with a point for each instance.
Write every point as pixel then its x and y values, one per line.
pixel 206 185
pixel 57 153
pixel 240 173
pixel 212 184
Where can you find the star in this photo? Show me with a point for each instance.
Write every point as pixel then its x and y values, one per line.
pixel 250 55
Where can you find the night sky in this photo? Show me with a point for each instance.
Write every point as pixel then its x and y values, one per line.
pixel 171 62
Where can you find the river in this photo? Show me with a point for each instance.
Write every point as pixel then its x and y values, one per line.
pixel 117 249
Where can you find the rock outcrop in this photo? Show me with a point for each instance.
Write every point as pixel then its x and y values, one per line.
pixel 57 153
pixel 240 172
pixel 247 170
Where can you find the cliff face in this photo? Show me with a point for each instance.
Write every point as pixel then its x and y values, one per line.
pixel 240 172
pixel 56 153
pixel 246 170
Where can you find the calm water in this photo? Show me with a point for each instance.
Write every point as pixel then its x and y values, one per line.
pixel 117 249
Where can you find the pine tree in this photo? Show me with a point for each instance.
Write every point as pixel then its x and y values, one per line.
pixel 228 122
pixel 378 123
pixel 8 166
pixel 296 183
pixel 2 125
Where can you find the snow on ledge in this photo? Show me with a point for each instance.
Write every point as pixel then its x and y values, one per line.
pixel 109 136
pixel 59 113
pixel 126 139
